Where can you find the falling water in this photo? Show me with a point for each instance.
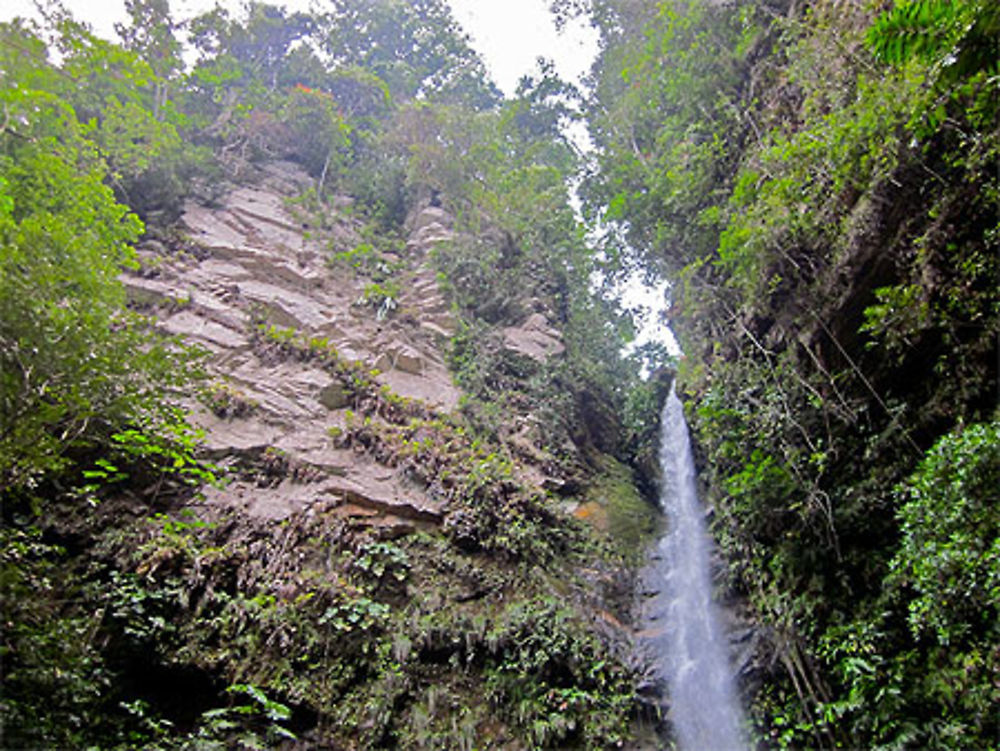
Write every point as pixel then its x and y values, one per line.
pixel 688 643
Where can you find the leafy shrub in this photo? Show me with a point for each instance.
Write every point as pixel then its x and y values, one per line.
pixel 950 552
pixel 553 679
pixel 921 671
pixel 73 361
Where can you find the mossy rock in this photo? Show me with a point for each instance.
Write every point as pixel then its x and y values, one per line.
pixel 614 505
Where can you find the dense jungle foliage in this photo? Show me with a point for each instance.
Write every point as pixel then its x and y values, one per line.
pixel 136 616
pixel 820 179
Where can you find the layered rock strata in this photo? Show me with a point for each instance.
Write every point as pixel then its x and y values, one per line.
pixel 251 262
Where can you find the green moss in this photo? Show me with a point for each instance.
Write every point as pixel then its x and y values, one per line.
pixel 630 520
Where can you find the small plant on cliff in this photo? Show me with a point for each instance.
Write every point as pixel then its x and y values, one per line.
pixel 254 725
pixel 226 401
pixel 384 297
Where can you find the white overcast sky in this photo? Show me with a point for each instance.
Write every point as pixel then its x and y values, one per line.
pixel 509 34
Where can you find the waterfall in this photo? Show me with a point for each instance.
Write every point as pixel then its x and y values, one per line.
pixel 688 644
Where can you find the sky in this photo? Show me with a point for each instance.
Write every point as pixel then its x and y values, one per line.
pixel 510 35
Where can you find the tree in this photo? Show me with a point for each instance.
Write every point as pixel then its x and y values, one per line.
pixel 73 364
pixel 123 104
pixel 150 34
pixel 258 44
pixel 319 131
pixel 240 66
pixel 415 47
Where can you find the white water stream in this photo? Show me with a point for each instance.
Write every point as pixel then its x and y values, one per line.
pixel 688 643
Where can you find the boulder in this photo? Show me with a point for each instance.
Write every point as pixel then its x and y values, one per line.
pixel 534 338
pixel 401 357
pixel 428 216
pixel 334 396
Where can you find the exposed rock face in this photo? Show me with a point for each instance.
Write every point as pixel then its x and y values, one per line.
pixel 428 226
pixel 534 338
pixel 256 261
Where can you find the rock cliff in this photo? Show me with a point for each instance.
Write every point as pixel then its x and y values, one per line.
pixel 253 268
pixel 354 492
